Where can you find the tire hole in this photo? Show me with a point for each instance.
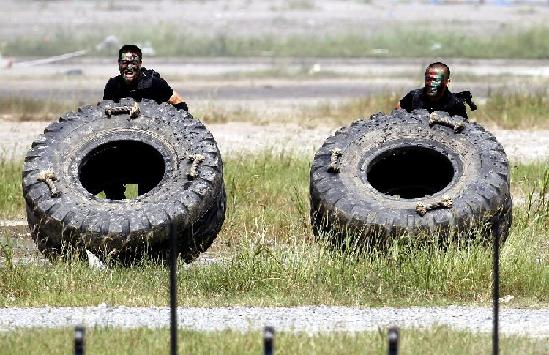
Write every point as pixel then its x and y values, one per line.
pixel 121 170
pixel 410 172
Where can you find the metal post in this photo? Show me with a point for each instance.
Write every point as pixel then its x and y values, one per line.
pixel 173 291
pixel 268 340
pixel 79 340
pixel 392 336
pixel 495 295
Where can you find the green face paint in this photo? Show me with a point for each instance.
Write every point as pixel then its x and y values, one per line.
pixel 434 82
pixel 130 67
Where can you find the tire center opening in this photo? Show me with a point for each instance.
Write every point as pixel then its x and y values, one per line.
pixel 410 172
pixel 121 169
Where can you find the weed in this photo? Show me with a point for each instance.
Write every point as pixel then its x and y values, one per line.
pixel 438 340
pixel 266 256
pixel 413 40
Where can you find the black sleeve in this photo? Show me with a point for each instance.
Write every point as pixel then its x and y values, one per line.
pixel 406 102
pixel 182 106
pixel 110 90
pixel 162 90
pixel 460 110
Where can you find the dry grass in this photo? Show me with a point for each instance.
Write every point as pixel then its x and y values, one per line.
pixel 507 111
pixel 24 109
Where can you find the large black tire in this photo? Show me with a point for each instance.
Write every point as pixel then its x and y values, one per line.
pixel 87 150
pixel 390 163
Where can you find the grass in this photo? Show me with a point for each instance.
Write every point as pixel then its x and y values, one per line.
pixel 269 258
pixel 526 178
pixel 25 109
pixel 414 40
pixel 153 341
pixel 512 111
pixel 11 197
pixel 507 111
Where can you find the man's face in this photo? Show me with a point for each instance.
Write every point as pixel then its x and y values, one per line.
pixel 130 67
pixel 435 83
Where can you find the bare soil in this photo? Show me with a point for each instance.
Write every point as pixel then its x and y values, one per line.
pixel 239 137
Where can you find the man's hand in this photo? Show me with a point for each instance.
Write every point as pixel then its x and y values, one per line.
pixel 177 101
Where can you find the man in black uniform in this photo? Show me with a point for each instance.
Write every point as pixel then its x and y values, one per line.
pixel 138 83
pixel 435 96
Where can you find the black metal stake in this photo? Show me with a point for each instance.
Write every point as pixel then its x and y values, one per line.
pixel 173 291
pixel 392 336
pixel 268 340
pixel 495 295
pixel 79 340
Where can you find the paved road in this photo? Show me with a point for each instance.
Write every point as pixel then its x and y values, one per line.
pixel 222 79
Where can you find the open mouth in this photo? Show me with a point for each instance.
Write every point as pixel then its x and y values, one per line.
pixel 129 74
pixel 432 91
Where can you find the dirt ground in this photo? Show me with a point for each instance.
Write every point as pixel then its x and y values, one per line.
pixel 236 138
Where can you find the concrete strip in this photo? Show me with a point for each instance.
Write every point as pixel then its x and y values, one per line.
pixel 530 322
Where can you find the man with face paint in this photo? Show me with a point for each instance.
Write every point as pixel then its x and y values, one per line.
pixel 138 82
pixel 435 96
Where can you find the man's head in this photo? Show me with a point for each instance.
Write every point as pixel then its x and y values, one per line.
pixel 129 63
pixel 437 77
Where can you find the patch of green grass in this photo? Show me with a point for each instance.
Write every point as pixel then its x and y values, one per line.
pixel 268 257
pixel 414 40
pixel 11 197
pixel 130 192
pixel 438 340
pixel 528 178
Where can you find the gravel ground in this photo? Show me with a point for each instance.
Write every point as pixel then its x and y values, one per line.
pixel 530 322
pixel 234 138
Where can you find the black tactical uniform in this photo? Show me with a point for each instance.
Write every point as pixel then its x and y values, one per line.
pixel 449 102
pixel 150 86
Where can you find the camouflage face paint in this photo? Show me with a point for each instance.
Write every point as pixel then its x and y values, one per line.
pixel 435 82
pixel 130 67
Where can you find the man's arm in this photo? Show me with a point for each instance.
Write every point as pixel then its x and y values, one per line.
pixel 405 102
pixel 167 94
pixel 177 101
pixel 460 110
pixel 109 91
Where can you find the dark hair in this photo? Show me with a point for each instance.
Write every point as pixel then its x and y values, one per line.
pixel 129 48
pixel 440 65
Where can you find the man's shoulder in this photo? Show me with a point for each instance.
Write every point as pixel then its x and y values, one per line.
pixel 151 79
pixel 415 92
pixel 408 100
pixel 114 81
pixel 151 75
pixel 455 99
